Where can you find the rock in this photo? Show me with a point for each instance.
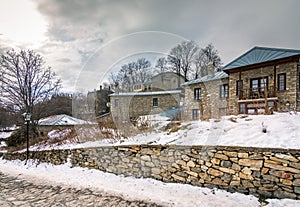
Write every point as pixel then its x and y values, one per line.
pixel 231 154
pixel 247 184
pixel 281 194
pixel 215 161
pixel 221 156
pixel 243 155
pixel 283 168
pixel 246 171
pixel 297 190
pixel 226 164
pixel 286 157
pixel 236 167
pixel 191 164
pixel 215 173
pixel 251 163
pixel 227 170
pixel 244 176
pixel 179 178
pixel 146 158
pixel 296 182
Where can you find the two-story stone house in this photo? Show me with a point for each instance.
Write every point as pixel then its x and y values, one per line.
pixel 206 97
pixel 264 78
pixel 161 93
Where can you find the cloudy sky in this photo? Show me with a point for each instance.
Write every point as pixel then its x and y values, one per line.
pixel 84 40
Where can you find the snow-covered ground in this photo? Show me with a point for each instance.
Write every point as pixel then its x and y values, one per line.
pixel 169 194
pixel 282 131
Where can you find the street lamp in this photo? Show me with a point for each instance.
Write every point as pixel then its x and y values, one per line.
pixel 27 117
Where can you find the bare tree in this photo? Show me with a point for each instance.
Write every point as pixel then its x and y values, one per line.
pixel 161 65
pixel 130 74
pixel 25 81
pixel 181 58
pixel 203 58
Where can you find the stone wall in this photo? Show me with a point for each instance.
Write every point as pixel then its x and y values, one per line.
pixel 257 171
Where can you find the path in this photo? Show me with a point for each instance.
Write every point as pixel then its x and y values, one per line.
pixel 15 192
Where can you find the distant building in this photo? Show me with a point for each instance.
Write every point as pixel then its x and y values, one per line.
pixel 161 93
pixel 97 101
pixel 263 75
pixel 60 122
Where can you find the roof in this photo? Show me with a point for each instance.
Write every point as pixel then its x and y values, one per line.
pixel 260 55
pixel 62 120
pixel 152 93
pixel 209 77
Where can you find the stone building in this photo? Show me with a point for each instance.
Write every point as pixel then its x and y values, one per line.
pixel 161 93
pixel 206 97
pixel 97 101
pixel 127 106
pixel 264 78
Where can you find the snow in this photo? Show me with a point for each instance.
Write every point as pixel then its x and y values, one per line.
pixel 4 135
pixel 168 194
pixel 62 120
pixel 283 131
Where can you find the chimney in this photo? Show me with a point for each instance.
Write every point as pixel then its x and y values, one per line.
pixel 211 69
pixel 100 87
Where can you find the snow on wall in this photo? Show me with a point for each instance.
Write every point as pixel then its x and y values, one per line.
pixel 258 171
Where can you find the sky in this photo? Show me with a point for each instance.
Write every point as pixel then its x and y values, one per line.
pixel 84 41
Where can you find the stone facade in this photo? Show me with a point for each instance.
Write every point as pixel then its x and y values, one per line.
pixel 125 106
pixel 211 104
pixel 264 78
pixel 261 172
pixel 280 98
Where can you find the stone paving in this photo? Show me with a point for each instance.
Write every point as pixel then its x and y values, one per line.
pixel 15 192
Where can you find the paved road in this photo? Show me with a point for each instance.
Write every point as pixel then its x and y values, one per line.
pixel 15 192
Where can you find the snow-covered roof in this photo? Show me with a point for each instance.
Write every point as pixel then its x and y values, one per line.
pixel 209 77
pixel 260 55
pixel 151 93
pixel 62 120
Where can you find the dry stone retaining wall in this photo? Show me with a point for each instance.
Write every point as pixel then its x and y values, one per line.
pixel 257 171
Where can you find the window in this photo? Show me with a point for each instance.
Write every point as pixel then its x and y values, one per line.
pixel 281 82
pixel 224 91
pixel 155 102
pixel 117 103
pixel 258 85
pixel 195 114
pixel 239 87
pixel 242 108
pixel 197 94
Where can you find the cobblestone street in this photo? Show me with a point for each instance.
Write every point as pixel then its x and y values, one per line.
pixel 16 192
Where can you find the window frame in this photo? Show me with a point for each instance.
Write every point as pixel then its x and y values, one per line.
pixel 195 114
pixel 117 103
pixel 197 94
pixel 155 102
pixel 224 91
pixel 239 87
pixel 279 86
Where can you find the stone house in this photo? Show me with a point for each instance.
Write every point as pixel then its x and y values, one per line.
pixel 206 97
pixel 264 78
pixel 127 106
pixel 161 93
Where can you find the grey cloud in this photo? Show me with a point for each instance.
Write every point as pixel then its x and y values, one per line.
pixel 232 26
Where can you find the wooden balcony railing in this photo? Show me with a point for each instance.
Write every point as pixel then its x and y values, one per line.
pixel 257 93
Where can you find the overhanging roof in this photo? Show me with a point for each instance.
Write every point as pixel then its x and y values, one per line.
pixel 151 93
pixel 210 77
pixel 260 55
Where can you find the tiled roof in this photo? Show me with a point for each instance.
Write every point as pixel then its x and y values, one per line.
pixel 260 55
pixel 62 120
pixel 210 77
pixel 151 93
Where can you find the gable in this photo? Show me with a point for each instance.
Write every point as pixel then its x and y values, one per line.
pixel 260 55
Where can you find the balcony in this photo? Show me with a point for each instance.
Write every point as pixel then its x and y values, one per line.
pixel 257 93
